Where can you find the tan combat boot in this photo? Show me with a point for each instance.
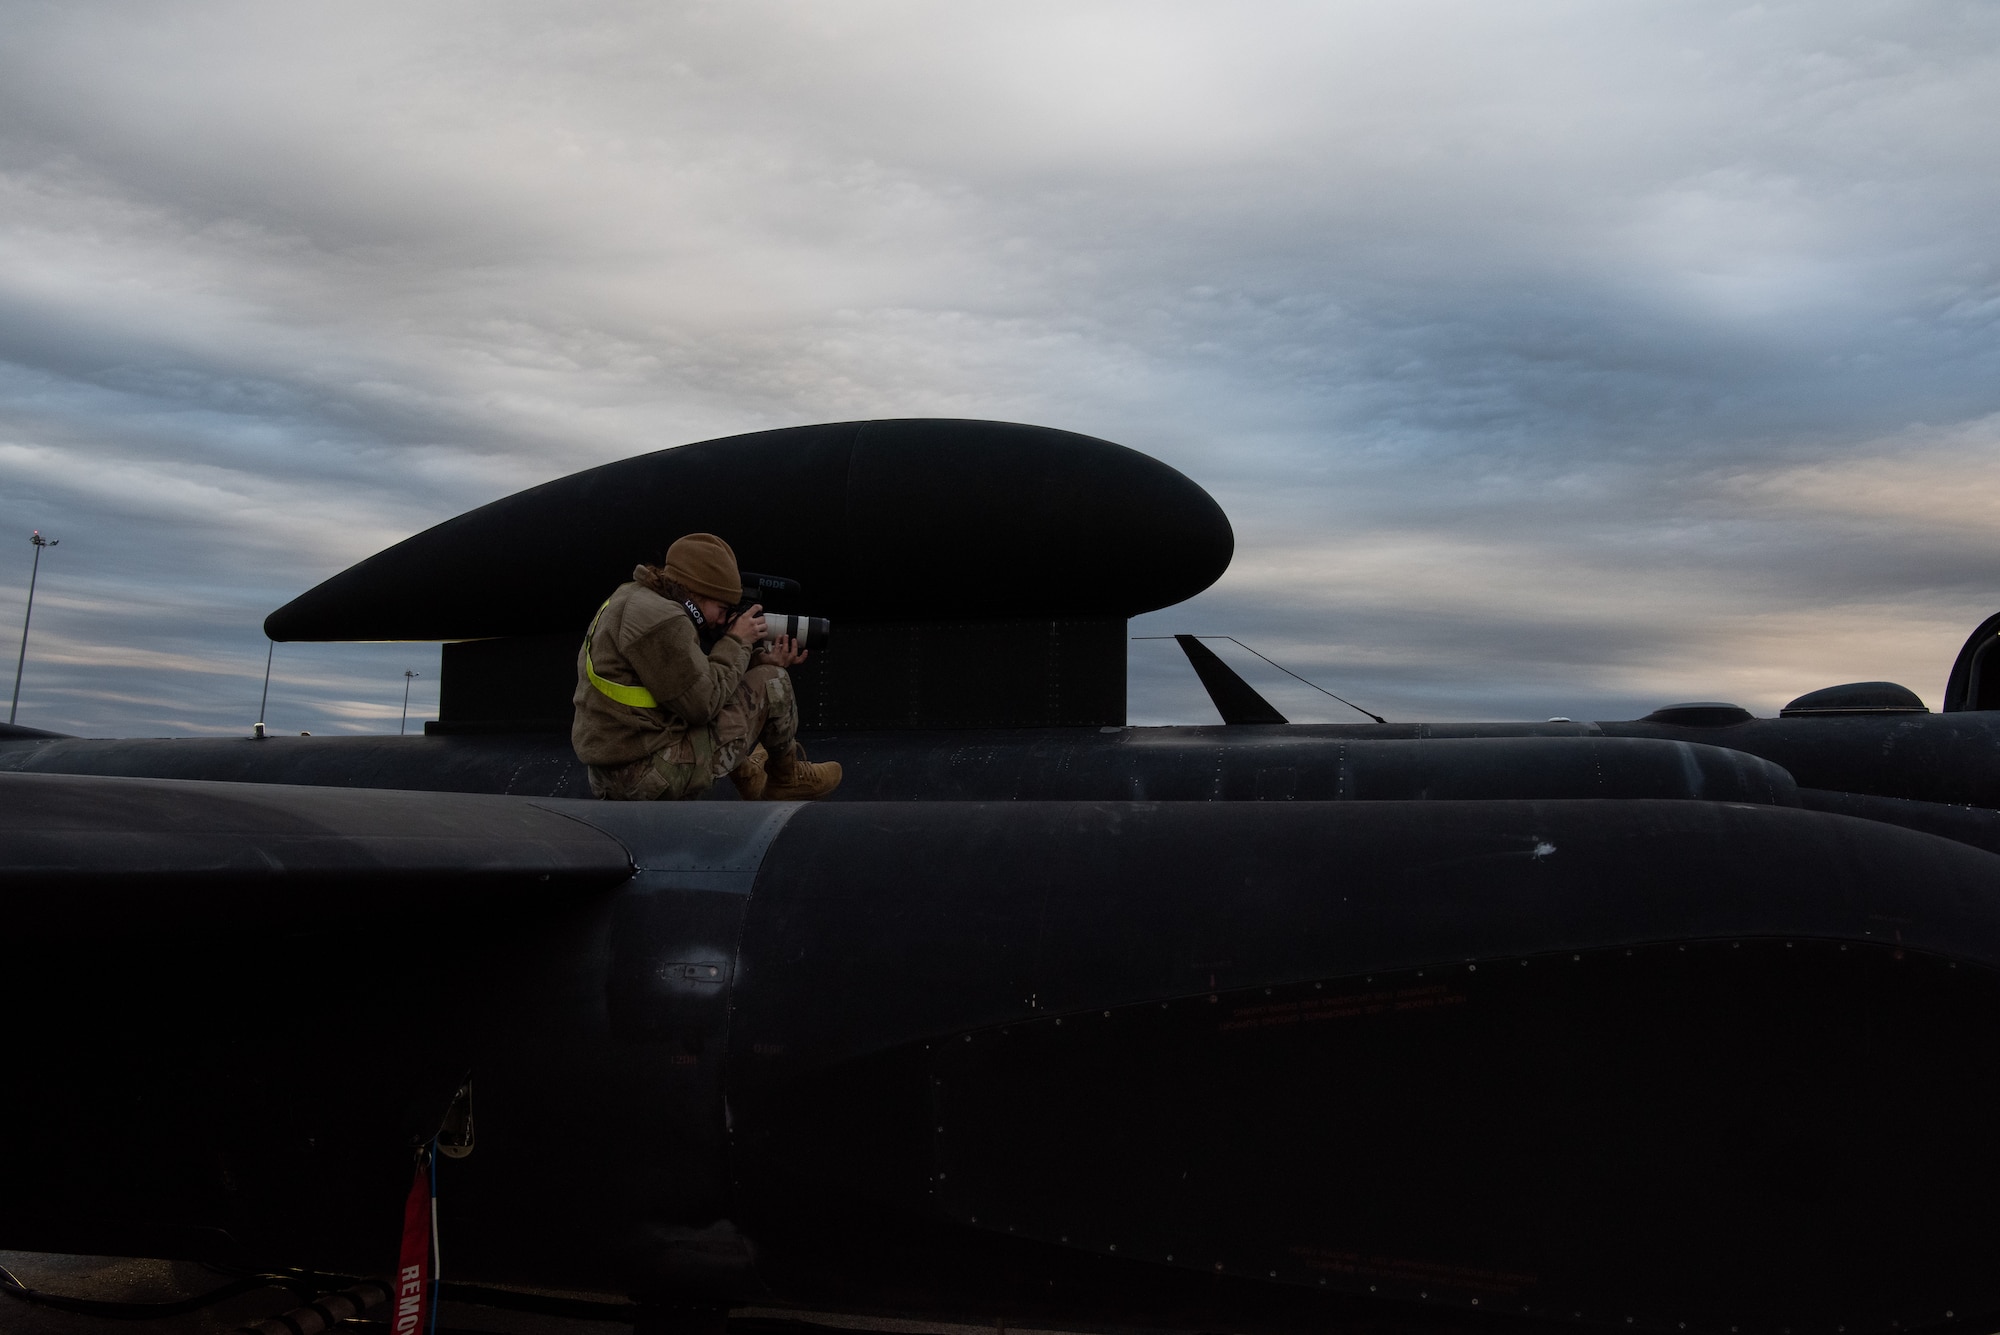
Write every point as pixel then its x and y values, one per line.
pixel 793 778
pixel 749 776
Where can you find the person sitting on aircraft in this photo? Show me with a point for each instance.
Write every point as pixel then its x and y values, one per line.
pixel 659 718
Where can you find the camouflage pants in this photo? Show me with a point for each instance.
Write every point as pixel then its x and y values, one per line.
pixel 763 709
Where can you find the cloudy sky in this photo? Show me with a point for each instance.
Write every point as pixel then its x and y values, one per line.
pixel 1549 358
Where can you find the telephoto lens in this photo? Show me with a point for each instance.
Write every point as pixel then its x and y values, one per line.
pixel 810 632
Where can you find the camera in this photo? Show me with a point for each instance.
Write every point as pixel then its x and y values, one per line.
pixel 810 632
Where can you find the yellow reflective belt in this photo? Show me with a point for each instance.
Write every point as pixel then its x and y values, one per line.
pixel 636 696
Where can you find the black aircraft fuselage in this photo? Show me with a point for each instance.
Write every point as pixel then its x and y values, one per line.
pixel 1934 772
pixel 1265 1065
pixel 1681 1023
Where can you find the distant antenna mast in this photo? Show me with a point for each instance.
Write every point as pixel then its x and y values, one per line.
pixel 22 661
pixel 1289 673
pixel 1276 664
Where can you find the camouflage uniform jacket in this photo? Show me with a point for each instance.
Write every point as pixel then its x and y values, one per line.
pixel 643 639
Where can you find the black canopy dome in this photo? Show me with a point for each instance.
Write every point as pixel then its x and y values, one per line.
pixel 901 520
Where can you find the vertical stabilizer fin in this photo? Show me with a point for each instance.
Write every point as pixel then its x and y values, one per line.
pixel 1233 697
pixel 1975 677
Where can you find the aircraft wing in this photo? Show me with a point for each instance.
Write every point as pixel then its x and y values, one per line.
pixel 105 853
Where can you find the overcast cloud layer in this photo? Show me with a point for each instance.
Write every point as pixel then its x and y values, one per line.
pixel 1549 358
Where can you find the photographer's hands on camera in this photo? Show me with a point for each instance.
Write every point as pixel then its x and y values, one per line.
pixel 750 630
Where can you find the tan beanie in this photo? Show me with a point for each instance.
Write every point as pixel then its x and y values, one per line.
pixel 702 563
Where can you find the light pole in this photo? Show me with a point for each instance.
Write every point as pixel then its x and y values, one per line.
pixel 408 677
pixel 257 731
pixel 21 662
